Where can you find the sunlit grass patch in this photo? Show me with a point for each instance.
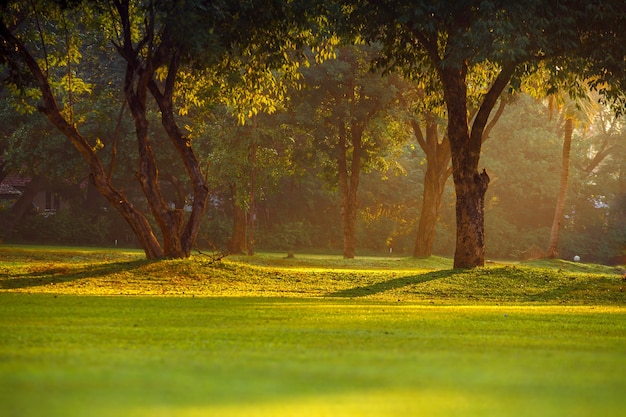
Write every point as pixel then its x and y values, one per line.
pixel 164 356
pixel 430 280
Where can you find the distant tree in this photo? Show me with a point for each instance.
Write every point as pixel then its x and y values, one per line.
pixel 523 157
pixel 571 112
pixel 343 104
pixel 248 161
pixel 594 227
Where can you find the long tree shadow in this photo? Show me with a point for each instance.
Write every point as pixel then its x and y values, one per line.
pixel 53 274
pixel 392 284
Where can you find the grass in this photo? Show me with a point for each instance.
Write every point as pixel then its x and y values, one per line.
pixel 279 337
pixel 118 272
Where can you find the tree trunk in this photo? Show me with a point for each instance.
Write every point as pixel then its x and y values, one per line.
pixel 348 186
pixel 470 186
pixel 437 173
pixel 238 241
pixel 553 245
pixel 136 220
pixel 434 185
pixel 465 148
pixel 470 219
pixel 178 235
pixel 252 205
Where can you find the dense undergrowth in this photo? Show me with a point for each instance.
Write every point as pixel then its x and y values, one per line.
pixel 430 280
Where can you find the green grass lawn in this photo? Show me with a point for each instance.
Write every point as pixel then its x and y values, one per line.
pixel 273 337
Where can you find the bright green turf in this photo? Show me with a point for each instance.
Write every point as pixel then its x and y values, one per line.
pixel 69 355
pixel 82 271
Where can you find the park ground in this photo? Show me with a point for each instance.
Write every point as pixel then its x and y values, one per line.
pixel 103 332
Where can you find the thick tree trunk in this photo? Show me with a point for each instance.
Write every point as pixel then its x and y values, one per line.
pixel 470 186
pixel 470 220
pixel 553 245
pixel 465 148
pixel 437 172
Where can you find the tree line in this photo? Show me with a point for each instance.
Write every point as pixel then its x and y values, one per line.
pixel 176 107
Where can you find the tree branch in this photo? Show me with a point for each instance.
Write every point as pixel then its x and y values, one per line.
pixel 489 101
pixel 493 121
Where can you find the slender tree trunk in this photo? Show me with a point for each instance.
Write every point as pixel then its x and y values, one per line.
pixel 252 205
pixel 348 185
pixel 553 245
pixel 238 241
pixel 434 185
pixel 437 173
pixel 181 231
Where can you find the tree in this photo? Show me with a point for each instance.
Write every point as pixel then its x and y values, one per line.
pixel 572 113
pixel 522 155
pixel 594 225
pixel 452 39
pixel 154 42
pixel 247 160
pixel 341 103
pixel 427 121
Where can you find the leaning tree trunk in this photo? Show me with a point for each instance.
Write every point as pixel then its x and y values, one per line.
pixel 178 234
pixel 553 245
pixel 98 175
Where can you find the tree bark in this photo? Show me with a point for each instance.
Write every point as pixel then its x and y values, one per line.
pixel 434 185
pixel 553 244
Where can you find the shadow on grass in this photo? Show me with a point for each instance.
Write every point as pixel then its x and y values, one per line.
pixel 392 284
pixel 53 274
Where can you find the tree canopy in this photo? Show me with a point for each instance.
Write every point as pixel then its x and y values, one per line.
pixel 134 85
pixel 455 39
